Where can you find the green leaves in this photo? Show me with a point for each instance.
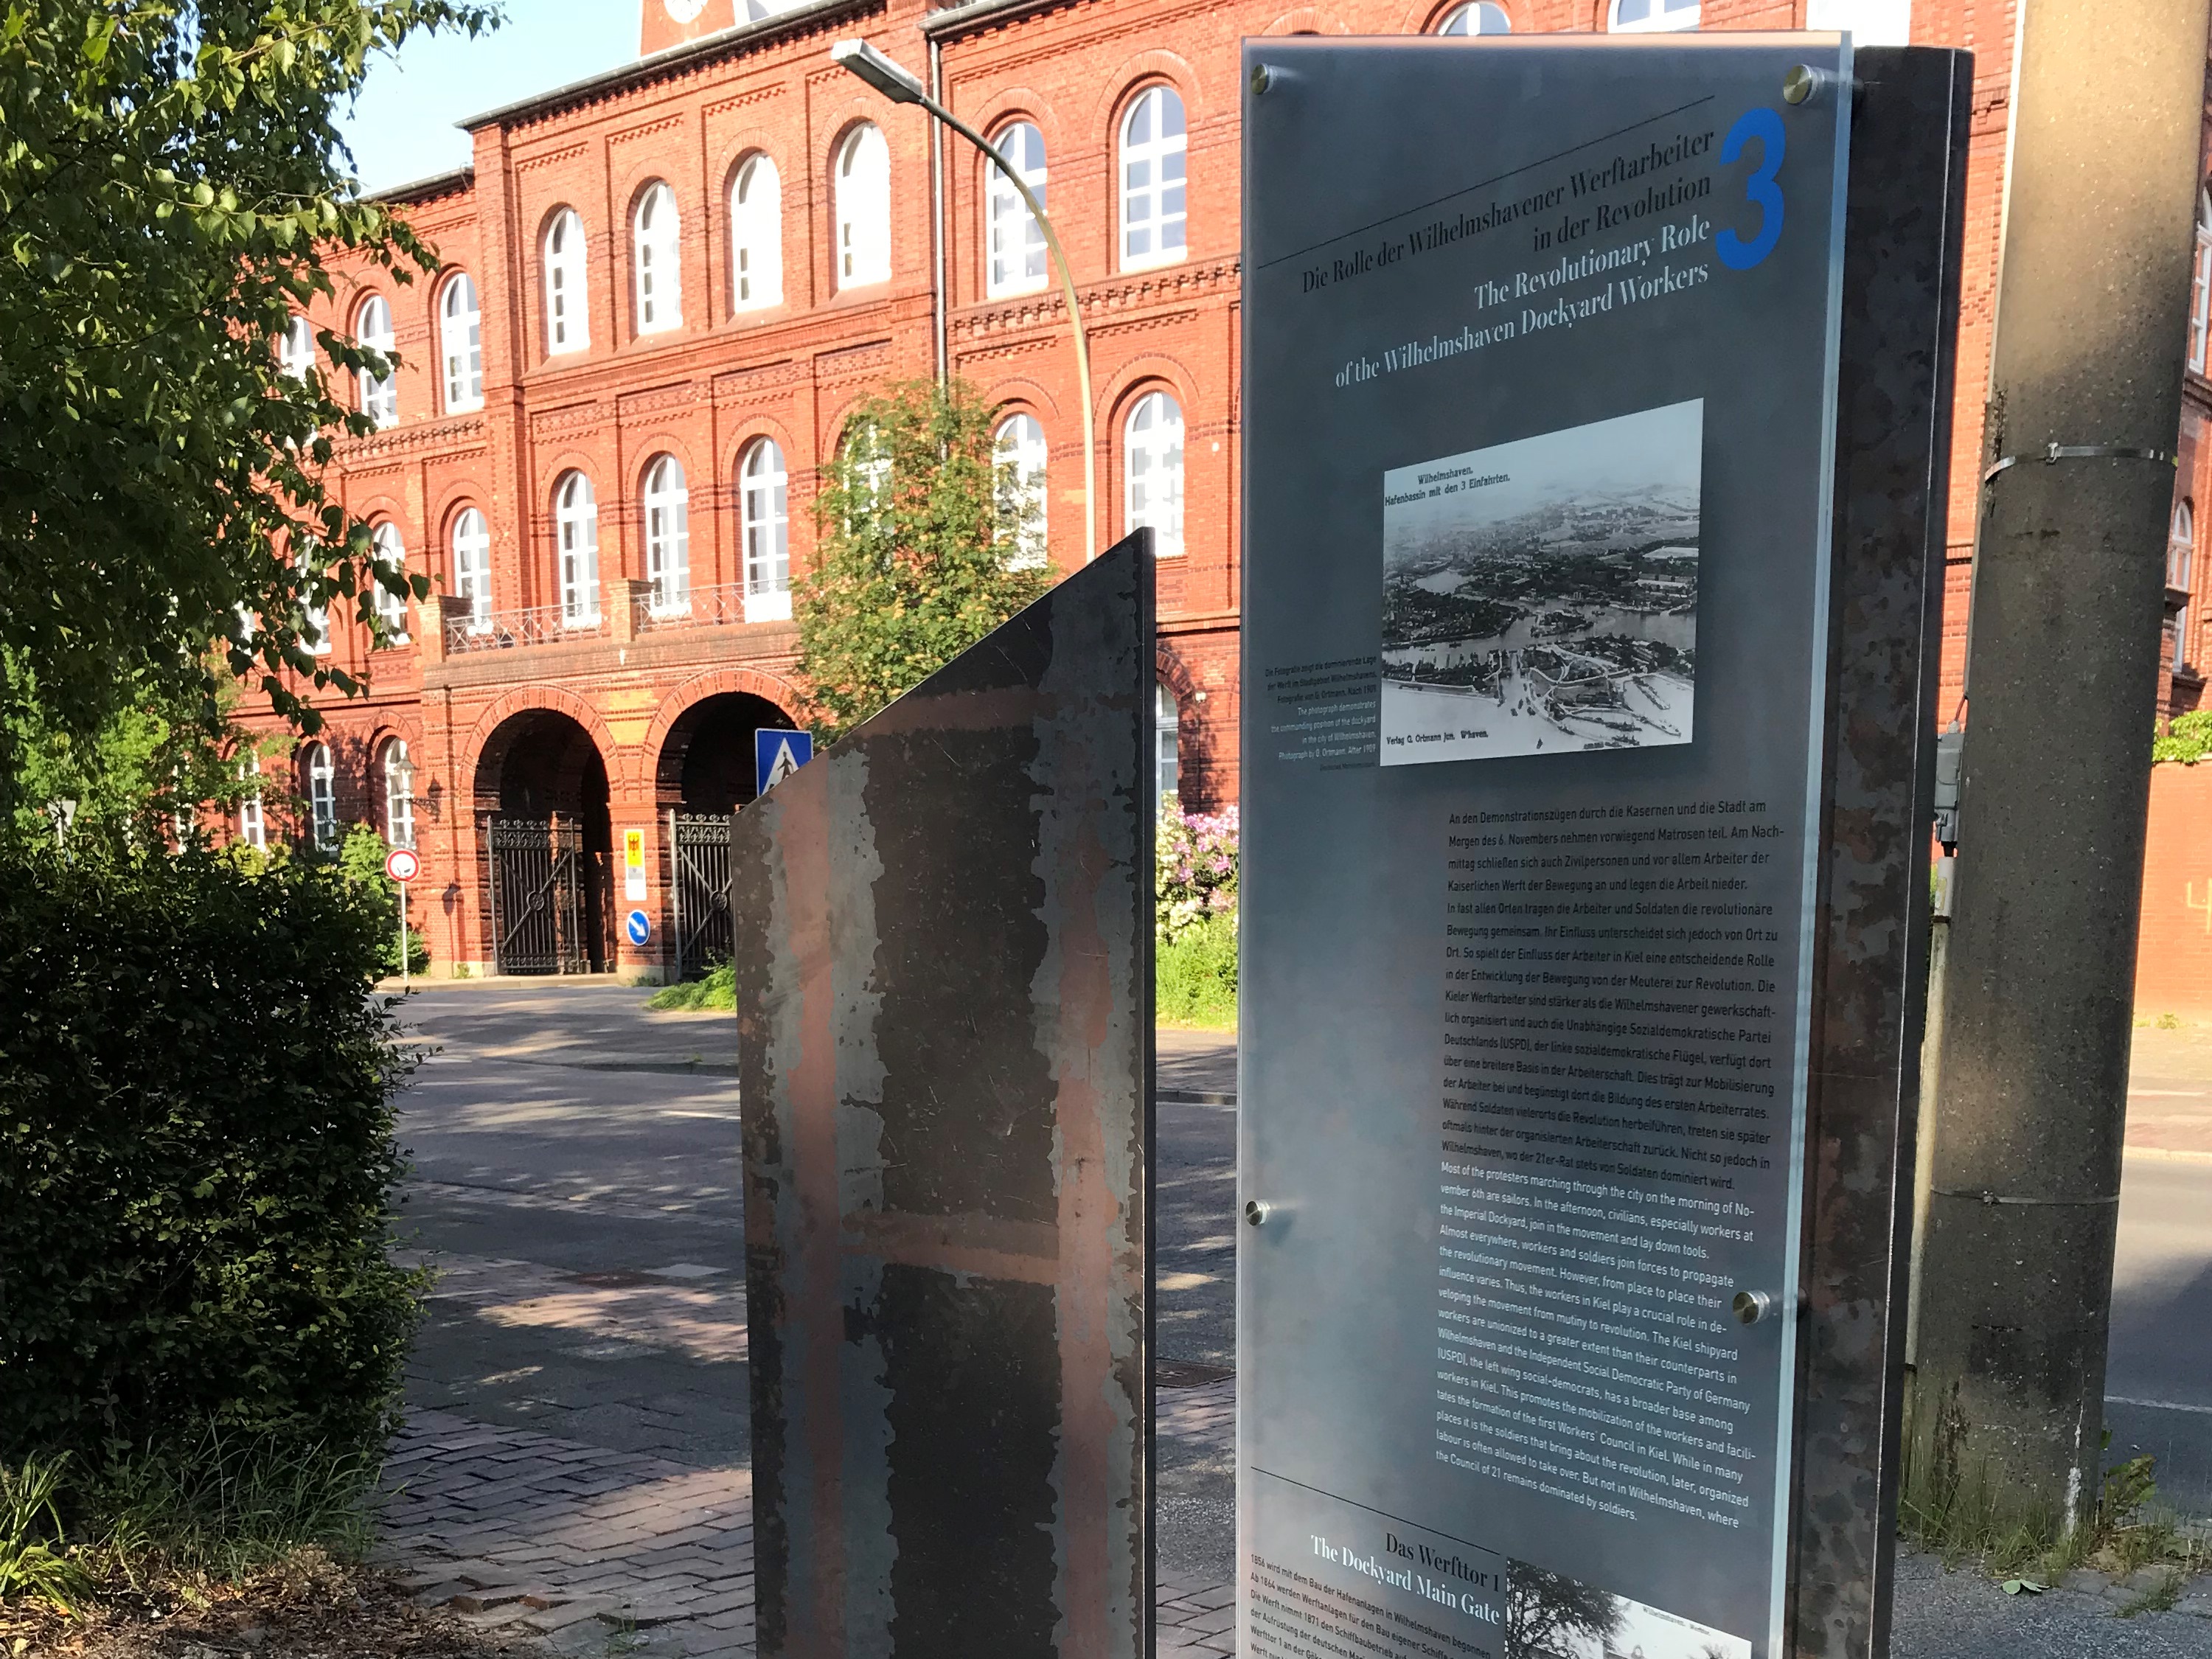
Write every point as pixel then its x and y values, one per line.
pixel 916 558
pixel 172 186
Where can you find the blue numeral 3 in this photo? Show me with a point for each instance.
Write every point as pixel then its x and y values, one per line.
pixel 1759 189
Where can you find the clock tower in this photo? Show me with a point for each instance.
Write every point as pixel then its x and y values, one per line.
pixel 671 23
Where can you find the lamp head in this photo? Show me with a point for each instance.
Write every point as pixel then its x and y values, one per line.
pixel 878 70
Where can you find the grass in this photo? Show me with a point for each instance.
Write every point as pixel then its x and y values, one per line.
pixel 1961 1517
pixel 718 990
pixel 1197 976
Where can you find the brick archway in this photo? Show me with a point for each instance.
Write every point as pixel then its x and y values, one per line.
pixel 667 743
pixel 550 699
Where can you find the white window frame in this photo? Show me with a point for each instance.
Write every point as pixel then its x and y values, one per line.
pixel 295 349
pixel 386 543
pixel 576 532
pixel 1663 17
pixel 316 617
pixel 568 289
pixel 1014 251
pixel 2200 293
pixel 1480 17
pixel 1019 444
pixel 763 494
pixel 322 775
pixel 398 796
pixel 1167 742
pixel 1152 468
pixel 668 536
pixel 756 235
pixel 657 257
pixel 373 330
pixel 472 549
pixel 862 181
pixel 253 812
pixel 2180 546
pixel 1154 205
pixel 460 343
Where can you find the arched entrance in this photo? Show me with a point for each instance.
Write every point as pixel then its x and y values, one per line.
pixel 704 773
pixel 541 796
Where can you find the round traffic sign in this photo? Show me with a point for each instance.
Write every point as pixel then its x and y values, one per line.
pixel 401 863
pixel 639 927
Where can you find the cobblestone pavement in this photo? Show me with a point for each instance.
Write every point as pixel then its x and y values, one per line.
pixel 604 1552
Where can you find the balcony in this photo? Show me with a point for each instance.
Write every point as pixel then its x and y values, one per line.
pixel 723 605
pixel 505 630
pixel 631 615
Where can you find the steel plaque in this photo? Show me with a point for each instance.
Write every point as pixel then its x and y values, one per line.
pixel 1584 677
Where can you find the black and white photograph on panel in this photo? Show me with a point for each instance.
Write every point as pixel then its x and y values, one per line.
pixel 1540 596
pixel 1549 1615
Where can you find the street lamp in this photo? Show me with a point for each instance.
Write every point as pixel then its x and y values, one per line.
pixel 895 83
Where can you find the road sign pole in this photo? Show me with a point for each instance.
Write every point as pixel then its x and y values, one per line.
pixel 403 934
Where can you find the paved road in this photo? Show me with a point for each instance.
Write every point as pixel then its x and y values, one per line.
pixel 578 1187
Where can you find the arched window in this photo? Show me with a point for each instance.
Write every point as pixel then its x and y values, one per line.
pixel 1152 472
pixel 372 328
pixel 872 462
pixel 655 248
pixel 391 554
pixel 1020 454
pixel 864 209
pixel 252 817
pixel 314 617
pixel 568 322
pixel 1167 742
pixel 1152 155
pixel 668 536
pixel 1482 19
pixel 763 488
pixel 576 529
pixel 296 349
pixel 322 797
pixel 1651 17
pixel 460 345
pixel 472 567
pixel 757 236
pixel 398 795
pixel 1018 251
pixel 2200 294
pixel 2180 546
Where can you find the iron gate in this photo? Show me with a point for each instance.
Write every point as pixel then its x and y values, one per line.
pixel 699 896
pixel 538 910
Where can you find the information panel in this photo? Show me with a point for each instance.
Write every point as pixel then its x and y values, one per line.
pixel 1541 347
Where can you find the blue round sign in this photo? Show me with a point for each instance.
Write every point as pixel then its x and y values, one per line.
pixel 639 927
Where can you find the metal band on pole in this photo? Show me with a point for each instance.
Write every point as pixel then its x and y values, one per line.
pixel 2052 453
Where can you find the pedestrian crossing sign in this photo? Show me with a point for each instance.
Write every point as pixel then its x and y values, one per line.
pixel 777 755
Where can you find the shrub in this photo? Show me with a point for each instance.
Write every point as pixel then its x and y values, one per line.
pixel 2187 738
pixel 361 861
pixel 718 988
pixel 1195 871
pixel 197 1164
pixel 1197 975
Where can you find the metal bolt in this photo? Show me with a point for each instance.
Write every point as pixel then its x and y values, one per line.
pixel 1752 1306
pixel 1256 1211
pixel 1800 81
pixel 1263 77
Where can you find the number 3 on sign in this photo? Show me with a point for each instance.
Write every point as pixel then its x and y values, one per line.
pixel 1760 190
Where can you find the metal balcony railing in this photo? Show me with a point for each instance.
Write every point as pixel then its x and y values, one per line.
pixel 720 605
pixel 502 631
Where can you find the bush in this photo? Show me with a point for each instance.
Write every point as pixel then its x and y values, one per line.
pixel 361 861
pixel 197 1164
pixel 1194 867
pixel 2186 739
pixel 718 988
pixel 1197 975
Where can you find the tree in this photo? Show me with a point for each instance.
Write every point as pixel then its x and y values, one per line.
pixel 1546 1613
pixel 921 536
pixel 171 186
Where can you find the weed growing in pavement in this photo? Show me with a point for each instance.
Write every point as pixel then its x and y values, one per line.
pixel 717 989
pixel 1959 1515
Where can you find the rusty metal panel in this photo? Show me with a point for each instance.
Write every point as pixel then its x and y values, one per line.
pixel 943 947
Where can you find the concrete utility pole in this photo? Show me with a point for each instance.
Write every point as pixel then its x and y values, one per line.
pixel 2062 679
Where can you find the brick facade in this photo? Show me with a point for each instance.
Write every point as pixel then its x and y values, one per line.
pixel 651 703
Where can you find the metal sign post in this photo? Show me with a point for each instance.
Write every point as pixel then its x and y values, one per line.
pixel 1595 487
pixel 402 864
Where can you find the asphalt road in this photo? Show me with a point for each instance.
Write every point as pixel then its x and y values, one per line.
pixel 577 1180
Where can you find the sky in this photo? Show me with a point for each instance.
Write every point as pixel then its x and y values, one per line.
pixel 401 127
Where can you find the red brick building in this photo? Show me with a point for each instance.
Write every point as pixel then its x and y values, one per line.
pixel 668 286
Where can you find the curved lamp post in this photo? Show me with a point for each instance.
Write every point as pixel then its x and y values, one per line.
pixel 895 83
